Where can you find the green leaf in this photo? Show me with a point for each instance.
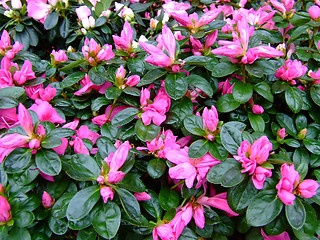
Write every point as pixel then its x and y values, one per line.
pixel 199 82
pixel 293 99
pixel 64 28
pixel 151 76
pixel 198 149
pixel 132 183
pixel 263 90
pixel 168 198
pixel 51 141
pixel 27 176
pixel 296 214
pixel 231 138
pixel 156 168
pixel 226 103
pixel 176 85
pixel 125 116
pixel 312 145
pixel 72 79
pixel 136 66
pixel 109 131
pixel 87 234
pixel 17 233
pixel 79 224
pixel 82 203
pixel 315 94
pixel 14 92
pixel 197 60
pixel 194 125
pixel 112 93
pixel 98 75
pixel 152 206
pixel 82 167
pixel 8 102
pixel 106 220
pixel 277 226
pixel 48 161
pixel 257 122
pixel 51 20
pixel 73 65
pixel 58 226
pixel 267 66
pixel 130 204
pixel 59 209
pixel 255 70
pixel 227 173
pixel 23 218
pixel 224 68
pixel 62 132
pixel 287 122
pixel 146 132
pixel 242 92
pixel 218 151
pixel 298 32
pixel 240 196
pixel 309 228
pixel 18 160
pixel 264 208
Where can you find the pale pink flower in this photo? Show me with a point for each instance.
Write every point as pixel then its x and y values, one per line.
pixel 254 17
pixel 308 188
pixel 16 4
pixel 47 201
pixel 285 7
pixel 291 70
pixel 143 196
pixel 172 6
pixel 83 12
pixel 188 168
pixel 38 9
pixel 282 236
pixel 59 56
pixel 5 210
pixel 289 180
pixel 124 42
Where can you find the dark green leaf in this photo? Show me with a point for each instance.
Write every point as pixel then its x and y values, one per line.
pixel 23 218
pixel 98 75
pixel 242 92
pixel 312 145
pixel 58 226
pixel 264 90
pixel 194 125
pixel 82 203
pixel 62 132
pixel 64 28
pixel 51 20
pixel 198 149
pixel 156 168
pixel 287 122
pixel 48 161
pixel 293 99
pixel 201 83
pixel 18 160
pixel 315 94
pixel 59 208
pixel 17 233
pixel 129 204
pixel 124 116
pixel 227 103
pixel 168 198
pixel 296 214
pixel 146 132
pixel 223 69
pixel 257 122
pixel 151 76
pixel 152 206
pixel 218 151
pixel 176 85
pixel 8 102
pixel 132 183
pixel 309 228
pixel 197 60
pixel 72 79
pixel 231 138
pixel 51 141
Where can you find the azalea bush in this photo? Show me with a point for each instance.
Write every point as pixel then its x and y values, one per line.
pixel 160 120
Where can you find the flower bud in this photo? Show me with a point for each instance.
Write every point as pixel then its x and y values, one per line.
pixel 70 49
pixel 5 214
pixel 100 179
pixel 302 134
pixel 106 13
pixel 8 13
pixel 106 193
pixel 257 109
pixel 47 201
pixel 16 4
pixel 308 188
pixel 142 196
pixel 281 133
pixel 133 80
pixel 314 12
pixel 34 144
pixel 153 23
pixel 120 74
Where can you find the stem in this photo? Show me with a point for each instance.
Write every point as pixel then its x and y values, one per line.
pixel 179 183
pixel 278 161
pixel 315 30
pixel 243 67
pixel 112 107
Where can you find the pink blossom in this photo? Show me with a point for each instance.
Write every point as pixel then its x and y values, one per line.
pixel 47 177
pixel 106 193
pixel 8 117
pixel 47 201
pixel 60 150
pixel 124 42
pixel 16 4
pixel 48 93
pixel 97 54
pixel 289 180
pixel 38 9
pixel 85 132
pixel 107 116
pixel 79 147
pixel 5 210
pixel 281 133
pixel 282 236
pixel 24 74
pixel 83 12
pixel 172 6
pixel 59 56
pixel 46 112
pixel 314 12
pixel 260 175
pixel 291 70
pixel 210 119
pixel 5 46
pixel 88 86
pixel 133 80
pixel 307 188
pixel 188 168
pixel 164 231
pixel 257 109
pixel 143 196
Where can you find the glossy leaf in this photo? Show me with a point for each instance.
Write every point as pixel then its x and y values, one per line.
pixel 48 161
pixel 296 214
pixel 18 160
pixel 176 85
pixel 146 132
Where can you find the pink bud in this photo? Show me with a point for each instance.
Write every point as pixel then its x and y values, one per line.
pixel 281 133
pixel 121 73
pixel 314 12
pixel 34 144
pixel 100 179
pixel 133 80
pixel 16 4
pixel 59 56
pixel 308 188
pixel 83 12
pixel 5 214
pixel 106 193
pixel 257 109
pixel 142 196
pixel 47 201
pixel 41 130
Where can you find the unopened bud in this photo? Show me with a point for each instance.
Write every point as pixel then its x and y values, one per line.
pixel 5 213
pixel 83 31
pixel 8 13
pixel 153 23
pixel 47 201
pixel 302 134
pixel 70 49
pixel 281 133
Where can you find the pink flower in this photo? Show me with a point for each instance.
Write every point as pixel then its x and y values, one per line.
pixel 16 4
pixel 260 175
pixel 79 147
pixel 47 201
pixel 83 12
pixel 93 52
pixel 172 6
pixel 257 109
pixel 46 112
pixel 133 80
pixel 5 213
pixel 157 56
pixel 59 56
pixel 289 180
pixel 188 168
pixel 125 40
pixel 48 93
pixel 8 117
pixel 5 46
pixel 24 74
pixel 291 70
pixel 314 12
pixel 107 116
pixel 88 86
pixel 85 132
pixel 164 231
pixel 282 236
pixel 106 193
pixel 210 119
pixel 142 196
pixel 307 188
pixel 38 9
